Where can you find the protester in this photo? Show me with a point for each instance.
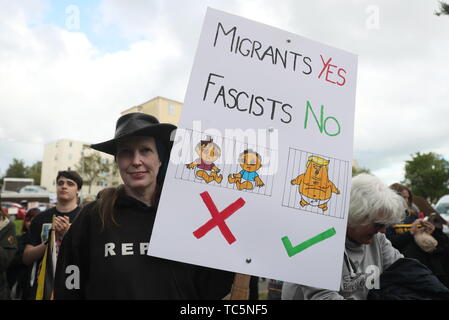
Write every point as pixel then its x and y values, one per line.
pixel 68 185
pixel 8 248
pixel 104 254
pixel 408 196
pixel 402 234
pixel 19 274
pixel 368 252
pixel 420 239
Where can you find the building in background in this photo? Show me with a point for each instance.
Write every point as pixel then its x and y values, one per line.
pixel 66 155
pixel 166 110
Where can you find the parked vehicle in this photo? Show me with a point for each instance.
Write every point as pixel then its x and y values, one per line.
pixel 14 184
pixel 41 206
pixel 442 205
pixel 33 189
pixel 15 210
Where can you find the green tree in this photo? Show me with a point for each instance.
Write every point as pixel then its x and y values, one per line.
pixel 93 169
pixel 444 9
pixel 35 172
pixel 427 175
pixel 16 169
pixel 356 171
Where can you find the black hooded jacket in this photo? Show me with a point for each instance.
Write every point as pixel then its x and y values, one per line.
pixel 111 263
pixel 408 279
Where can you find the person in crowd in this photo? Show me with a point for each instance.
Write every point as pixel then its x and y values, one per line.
pixel 402 234
pixel 104 254
pixel 420 238
pixel 368 252
pixel 68 186
pixel 19 274
pixel 8 248
pixel 408 196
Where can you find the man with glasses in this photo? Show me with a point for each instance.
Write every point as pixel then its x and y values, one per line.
pixel 373 207
pixel 69 184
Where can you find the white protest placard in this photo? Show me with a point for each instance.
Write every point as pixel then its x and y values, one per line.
pixel 259 176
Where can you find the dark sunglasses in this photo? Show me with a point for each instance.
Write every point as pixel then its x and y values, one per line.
pixel 379 225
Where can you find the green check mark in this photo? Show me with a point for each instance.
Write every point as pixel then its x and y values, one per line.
pixel 292 250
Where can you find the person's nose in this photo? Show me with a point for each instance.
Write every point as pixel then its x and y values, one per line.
pixel 136 159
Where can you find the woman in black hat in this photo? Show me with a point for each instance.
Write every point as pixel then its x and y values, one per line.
pixel 103 256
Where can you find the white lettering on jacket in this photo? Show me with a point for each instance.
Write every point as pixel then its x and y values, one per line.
pixel 109 249
pixel 125 249
pixel 143 248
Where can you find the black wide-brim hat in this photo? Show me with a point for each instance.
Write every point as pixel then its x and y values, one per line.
pixel 137 124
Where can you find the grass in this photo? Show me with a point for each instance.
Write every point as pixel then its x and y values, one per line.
pixel 263 295
pixel 18 224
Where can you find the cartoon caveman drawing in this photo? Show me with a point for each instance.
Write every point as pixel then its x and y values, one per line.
pixel 314 185
pixel 208 152
pixel 250 161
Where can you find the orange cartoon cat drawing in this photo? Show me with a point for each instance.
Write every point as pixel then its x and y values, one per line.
pixel 314 185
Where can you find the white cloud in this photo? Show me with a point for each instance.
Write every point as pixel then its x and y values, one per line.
pixel 58 84
pixel 392 174
pixel 55 83
pixel 141 19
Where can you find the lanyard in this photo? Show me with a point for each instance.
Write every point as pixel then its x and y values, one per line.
pixel 350 265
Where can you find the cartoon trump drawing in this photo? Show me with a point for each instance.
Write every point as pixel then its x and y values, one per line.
pixel 314 185
pixel 250 161
pixel 208 152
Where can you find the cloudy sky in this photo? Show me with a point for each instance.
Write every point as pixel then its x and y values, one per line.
pixel 68 68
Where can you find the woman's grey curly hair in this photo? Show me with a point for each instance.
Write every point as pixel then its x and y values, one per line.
pixel 372 201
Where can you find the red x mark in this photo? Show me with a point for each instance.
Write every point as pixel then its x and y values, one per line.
pixel 218 218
